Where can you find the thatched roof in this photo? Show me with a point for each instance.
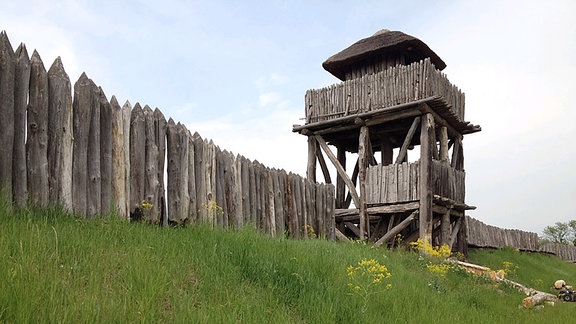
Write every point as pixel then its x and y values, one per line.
pixel 383 42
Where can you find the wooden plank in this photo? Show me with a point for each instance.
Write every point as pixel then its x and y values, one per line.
pixel 339 169
pixel 37 133
pixel 7 70
pixel 21 90
pixel 105 154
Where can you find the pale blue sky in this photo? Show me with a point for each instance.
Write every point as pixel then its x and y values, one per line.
pixel 237 72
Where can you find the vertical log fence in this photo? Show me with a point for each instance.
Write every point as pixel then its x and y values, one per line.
pixel 72 147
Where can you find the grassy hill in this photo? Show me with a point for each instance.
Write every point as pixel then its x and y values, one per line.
pixel 58 268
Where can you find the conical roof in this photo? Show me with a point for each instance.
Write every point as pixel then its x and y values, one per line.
pixel 384 42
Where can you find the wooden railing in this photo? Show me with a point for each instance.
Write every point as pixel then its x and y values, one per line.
pixel 393 86
pixel 399 182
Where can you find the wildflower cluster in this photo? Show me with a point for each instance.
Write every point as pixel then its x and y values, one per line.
pixel 365 276
pixel 213 208
pixel 146 205
pixel 436 252
pixel 507 268
pixel 434 256
pixel 309 230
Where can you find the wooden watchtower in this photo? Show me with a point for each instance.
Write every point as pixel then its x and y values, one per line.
pixel 392 99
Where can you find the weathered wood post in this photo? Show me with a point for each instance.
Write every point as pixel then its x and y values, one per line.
pixel 192 202
pixel 151 183
pixel 362 164
pixel 94 188
pixel 81 119
pixel 60 139
pixel 126 120
pixel 160 141
pixel 7 70
pixel 37 143
pixel 311 165
pixel 425 183
pixel 340 185
pixel 137 160
pixel 105 153
pixel 21 91
pixel 177 146
pixel 199 171
pixel 118 185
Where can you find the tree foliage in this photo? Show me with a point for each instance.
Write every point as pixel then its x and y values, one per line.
pixel 563 233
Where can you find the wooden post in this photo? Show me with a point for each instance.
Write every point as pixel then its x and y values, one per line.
pixel 81 117
pixel 105 154
pixel 340 185
pixel 126 120
pixel 192 206
pixel 311 166
pixel 37 143
pixel 426 153
pixel 177 145
pixel 137 157
pixel 94 174
pixel 21 90
pixel 118 185
pixel 199 171
pixel 60 139
pixel 151 182
pixel 387 151
pixel 160 142
pixel 7 70
pixel 445 233
pixel 362 145
pixel 444 144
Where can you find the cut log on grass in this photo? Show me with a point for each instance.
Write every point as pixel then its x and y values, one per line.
pixel 538 299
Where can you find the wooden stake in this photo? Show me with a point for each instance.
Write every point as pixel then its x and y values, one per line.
pixel 21 90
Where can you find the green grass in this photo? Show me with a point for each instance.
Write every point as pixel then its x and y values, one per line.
pixel 59 268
